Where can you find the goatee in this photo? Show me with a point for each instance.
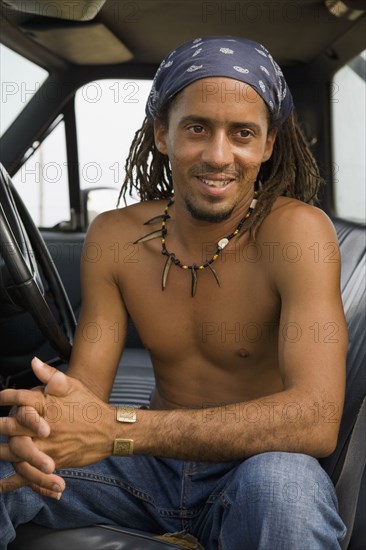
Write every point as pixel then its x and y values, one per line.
pixel 205 215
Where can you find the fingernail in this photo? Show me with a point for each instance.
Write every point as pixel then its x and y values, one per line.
pixel 55 488
pixel 38 362
pixel 43 431
pixel 56 496
pixel 46 469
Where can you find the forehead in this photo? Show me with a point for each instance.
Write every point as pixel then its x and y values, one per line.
pixel 219 94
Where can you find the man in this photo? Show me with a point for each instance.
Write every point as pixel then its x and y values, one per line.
pixel 243 320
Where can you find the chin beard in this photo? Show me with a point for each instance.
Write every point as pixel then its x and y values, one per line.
pixel 207 216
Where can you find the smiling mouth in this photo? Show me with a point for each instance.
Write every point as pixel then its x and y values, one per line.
pixel 215 183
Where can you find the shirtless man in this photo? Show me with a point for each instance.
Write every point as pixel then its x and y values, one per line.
pixel 247 337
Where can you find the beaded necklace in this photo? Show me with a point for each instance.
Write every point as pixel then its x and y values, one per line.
pixel 194 268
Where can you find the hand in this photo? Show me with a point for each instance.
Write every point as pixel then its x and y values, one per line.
pixel 77 420
pixel 50 485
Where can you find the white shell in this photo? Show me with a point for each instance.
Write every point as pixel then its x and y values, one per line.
pixel 222 243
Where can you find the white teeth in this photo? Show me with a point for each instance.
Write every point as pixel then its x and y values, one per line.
pixel 215 183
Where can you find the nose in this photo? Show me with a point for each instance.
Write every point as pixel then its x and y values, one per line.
pixel 218 150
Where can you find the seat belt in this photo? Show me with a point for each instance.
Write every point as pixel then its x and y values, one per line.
pixel 349 482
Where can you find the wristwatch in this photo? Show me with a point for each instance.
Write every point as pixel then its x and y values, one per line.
pixel 124 447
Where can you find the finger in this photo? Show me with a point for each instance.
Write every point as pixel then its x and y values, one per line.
pixel 13 411
pixel 52 482
pixel 24 448
pixel 45 492
pixel 57 382
pixel 6 455
pixel 20 398
pixel 16 481
pixel 30 418
pixel 10 427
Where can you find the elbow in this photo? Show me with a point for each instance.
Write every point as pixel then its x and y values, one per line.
pixel 325 450
pixel 326 443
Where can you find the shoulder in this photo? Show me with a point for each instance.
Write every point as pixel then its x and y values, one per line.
pixel 301 246
pixel 126 221
pixel 112 235
pixel 291 219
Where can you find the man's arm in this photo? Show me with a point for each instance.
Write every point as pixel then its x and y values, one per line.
pixel 98 345
pixel 102 327
pixel 305 416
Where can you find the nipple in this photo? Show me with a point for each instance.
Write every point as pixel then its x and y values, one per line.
pixel 243 352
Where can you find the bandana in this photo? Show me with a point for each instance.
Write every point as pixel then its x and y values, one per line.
pixel 221 56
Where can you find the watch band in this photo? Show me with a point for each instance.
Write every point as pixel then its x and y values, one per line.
pixel 124 447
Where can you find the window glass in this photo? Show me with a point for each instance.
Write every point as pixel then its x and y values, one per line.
pixel 108 113
pixel 349 143
pixel 20 79
pixel 42 181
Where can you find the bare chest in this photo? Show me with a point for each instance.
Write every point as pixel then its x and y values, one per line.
pixel 234 321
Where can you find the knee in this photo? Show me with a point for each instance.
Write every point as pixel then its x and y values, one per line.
pixel 277 479
pixel 283 499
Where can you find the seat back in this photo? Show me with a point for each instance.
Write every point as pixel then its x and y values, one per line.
pixel 352 240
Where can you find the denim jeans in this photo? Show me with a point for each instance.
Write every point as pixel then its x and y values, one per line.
pixel 271 500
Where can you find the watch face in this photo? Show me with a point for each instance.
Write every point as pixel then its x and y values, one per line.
pixel 123 447
pixel 126 414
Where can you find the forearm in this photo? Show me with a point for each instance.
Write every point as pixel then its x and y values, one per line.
pixel 284 421
pixel 85 428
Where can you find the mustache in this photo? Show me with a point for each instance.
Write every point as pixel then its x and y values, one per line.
pixel 226 172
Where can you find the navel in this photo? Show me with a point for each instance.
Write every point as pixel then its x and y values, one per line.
pixel 243 352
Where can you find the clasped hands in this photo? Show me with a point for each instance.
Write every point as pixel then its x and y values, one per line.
pixel 60 425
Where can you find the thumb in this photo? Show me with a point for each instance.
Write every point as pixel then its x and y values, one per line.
pixel 56 382
pixel 11 483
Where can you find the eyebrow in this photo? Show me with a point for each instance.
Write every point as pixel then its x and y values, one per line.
pixel 202 120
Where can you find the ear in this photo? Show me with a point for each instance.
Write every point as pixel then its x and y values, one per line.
pixel 271 138
pixel 160 136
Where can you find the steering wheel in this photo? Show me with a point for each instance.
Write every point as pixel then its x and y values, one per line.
pixel 21 247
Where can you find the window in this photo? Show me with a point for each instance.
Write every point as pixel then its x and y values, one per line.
pixel 42 181
pixel 20 79
pixel 349 143
pixel 108 113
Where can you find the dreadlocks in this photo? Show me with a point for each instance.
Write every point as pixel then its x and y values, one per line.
pixel 291 171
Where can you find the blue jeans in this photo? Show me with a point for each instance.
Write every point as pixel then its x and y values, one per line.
pixel 272 500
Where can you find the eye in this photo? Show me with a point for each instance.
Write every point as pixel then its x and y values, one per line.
pixel 196 129
pixel 244 133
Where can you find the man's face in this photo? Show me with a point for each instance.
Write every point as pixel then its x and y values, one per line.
pixel 216 140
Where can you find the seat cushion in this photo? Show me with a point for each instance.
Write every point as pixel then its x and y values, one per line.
pixel 96 537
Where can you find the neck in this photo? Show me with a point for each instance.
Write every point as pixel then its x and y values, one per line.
pixel 189 235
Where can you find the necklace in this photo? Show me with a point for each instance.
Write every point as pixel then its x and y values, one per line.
pixel 194 268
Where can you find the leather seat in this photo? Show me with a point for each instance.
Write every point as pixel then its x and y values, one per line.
pixel 352 240
pixel 135 381
pixel 101 537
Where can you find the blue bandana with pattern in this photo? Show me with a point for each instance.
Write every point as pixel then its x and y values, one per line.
pixel 221 56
